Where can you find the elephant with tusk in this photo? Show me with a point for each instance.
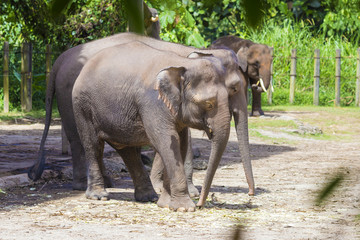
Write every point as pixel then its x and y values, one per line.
pixel 151 22
pixel 255 61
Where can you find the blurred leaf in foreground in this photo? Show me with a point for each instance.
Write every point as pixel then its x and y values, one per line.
pixel 330 187
pixel 238 233
pixel 254 12
pixel 58 6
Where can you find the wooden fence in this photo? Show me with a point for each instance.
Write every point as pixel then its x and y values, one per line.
pixel 316 76
pixel 26 76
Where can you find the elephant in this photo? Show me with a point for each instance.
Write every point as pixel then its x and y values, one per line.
pixel 151 22
pixel 67 68
pixel 117 102
pixel 255 60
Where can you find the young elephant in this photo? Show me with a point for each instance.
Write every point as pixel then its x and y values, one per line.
pixel 255 61
pixel 124 98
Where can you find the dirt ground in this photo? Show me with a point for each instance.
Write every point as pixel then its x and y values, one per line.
pixel 289 167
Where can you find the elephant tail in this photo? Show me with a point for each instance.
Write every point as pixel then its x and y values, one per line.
pixel 37 169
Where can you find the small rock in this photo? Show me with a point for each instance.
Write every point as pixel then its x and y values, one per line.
pixel 200 165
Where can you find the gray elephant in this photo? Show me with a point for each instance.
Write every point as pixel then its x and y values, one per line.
pixel 151 22
pixel 127 106
pixel 67 68
pixel 255 61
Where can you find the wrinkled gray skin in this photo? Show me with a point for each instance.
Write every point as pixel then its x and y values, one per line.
pixel 67 68
pixel 255 61
pixel 117 102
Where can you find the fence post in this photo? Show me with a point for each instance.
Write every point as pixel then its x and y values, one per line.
pixel 357 101
pixel 292 75
pixel 269 96
pixel 6 77
pixel 26 77
pixel 48 62
pixel 316 76
pixel 338 77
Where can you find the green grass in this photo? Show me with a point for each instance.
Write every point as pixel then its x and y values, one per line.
pixel 35 114
pixel 291 35
pixel 336 123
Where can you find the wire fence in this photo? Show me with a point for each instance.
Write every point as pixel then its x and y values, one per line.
pixel 318 80
pixel 297 78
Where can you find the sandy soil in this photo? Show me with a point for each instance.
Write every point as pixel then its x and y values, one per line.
pixel 289 170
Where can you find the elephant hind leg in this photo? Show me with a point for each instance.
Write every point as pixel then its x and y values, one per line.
pixel 144 191
pixel 79 165
pixel 94 149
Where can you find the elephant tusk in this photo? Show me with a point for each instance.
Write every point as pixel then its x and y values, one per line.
pixel 155 19
pixel 262 85
pixel 272 88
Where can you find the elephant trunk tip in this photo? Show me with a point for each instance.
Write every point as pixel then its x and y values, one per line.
pixel 251 192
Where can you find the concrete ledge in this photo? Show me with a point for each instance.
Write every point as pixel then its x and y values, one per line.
pixel 22 179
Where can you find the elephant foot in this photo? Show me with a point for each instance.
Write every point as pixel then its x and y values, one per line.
pixel 193 191
pixel 178 204
pixel 97 194
pixel 146 194
pixel 257 113
pixel 251 192
pixel 164 200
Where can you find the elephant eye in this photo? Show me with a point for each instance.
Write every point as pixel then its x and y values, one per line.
pixel 209 105
pixel 234 89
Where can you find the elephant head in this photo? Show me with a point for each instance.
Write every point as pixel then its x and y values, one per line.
pixel 197 96
pixel 151 22
pixel 256 61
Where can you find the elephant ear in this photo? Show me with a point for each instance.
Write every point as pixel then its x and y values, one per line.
pixel 242 58
pixel 199 55
pixel 168 84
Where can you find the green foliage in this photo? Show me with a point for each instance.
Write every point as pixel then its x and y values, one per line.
pixel 177 23
pixel 86 20
pixel 284 25
pixel 342 19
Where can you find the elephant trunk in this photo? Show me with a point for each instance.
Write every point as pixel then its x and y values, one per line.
pixel 220 136
pixel 264 79
pixel 241 125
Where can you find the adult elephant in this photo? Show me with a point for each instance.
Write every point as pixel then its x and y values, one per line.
pixel 67 68
pixel 126 99
pixel 255 61
pixel 151 22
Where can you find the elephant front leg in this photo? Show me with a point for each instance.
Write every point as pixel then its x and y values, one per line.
pixel 157 170
pixel 156 174
pixel 175 193
pixel 144 191
pixel 256 103
pixel 189 166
